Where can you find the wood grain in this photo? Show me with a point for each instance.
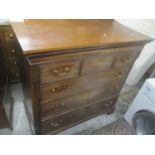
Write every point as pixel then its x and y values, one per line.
pixel 49 35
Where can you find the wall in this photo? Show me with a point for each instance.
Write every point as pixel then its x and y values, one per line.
pixel 146 26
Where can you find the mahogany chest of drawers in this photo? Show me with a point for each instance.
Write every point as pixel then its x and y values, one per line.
pixel 9 47
pixel 73 70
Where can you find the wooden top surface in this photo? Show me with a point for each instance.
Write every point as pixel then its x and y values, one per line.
pixel 38 36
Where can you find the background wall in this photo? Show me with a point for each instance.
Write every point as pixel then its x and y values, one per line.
pixel 145 63
pixel 146 26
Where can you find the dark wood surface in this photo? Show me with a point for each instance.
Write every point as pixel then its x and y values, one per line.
pixel 69 103
pixel 10 50
pixel 6 105
pixel 78 115
pixel 73 70
pixel 50 35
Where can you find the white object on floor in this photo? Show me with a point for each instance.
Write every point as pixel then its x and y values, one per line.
pixel 144 101
pixel 142 64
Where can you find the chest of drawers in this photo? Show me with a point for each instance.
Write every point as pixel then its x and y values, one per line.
pixel 6 104
pixel 10 49
pixel 73 70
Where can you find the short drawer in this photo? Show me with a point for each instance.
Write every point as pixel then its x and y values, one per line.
pixel 14 75
pixel 125 59
pixel 75 85
pixel 12 49
pixel 104 63
pixel 83 98
pixel 53 72
pixel 12 62
pixel 66 120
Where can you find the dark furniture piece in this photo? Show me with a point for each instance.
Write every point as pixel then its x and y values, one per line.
pixel 6 101
pixel 9 48
pixel 73 70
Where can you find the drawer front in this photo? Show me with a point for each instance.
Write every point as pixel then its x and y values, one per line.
pixel 12 62
pixel 53 72
pixel 125 59
pixel 12 49
pixel 79 115
pixel 14 75
pixel 75 85
pixel 104 63
pixel 83 98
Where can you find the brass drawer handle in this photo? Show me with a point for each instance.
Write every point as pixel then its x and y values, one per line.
pixel 53 107
pixel 119 74
pixel 62 70
pixel 15 63
pixel 116 86
pixel 125 59
pixel 56 124
pixel 11 35
pixel 58 89
pixel 62 103
pixel 13 51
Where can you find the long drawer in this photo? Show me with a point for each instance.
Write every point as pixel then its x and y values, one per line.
pixel 68 87
pixel 65 104
pixel 66 120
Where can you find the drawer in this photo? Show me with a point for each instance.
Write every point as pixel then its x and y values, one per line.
pixel 125 59
pixel 53 72
pixel 104 63
pixel 14 75
pixel 12 49
pixel 69 119
pixel 75 85
pixel 12 62
pixel 83 98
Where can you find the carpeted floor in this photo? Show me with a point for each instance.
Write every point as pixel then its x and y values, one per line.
pixel 119 127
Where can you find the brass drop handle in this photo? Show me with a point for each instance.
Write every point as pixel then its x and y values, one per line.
pixel 124 59
pixel 13 51
pixel 116 86
pixel 61 71
pixel 119 74
pixel 56 124
pixel 62 103
pixel 58 89
pixel 15 63
pixel 10 35
pixel 53 90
